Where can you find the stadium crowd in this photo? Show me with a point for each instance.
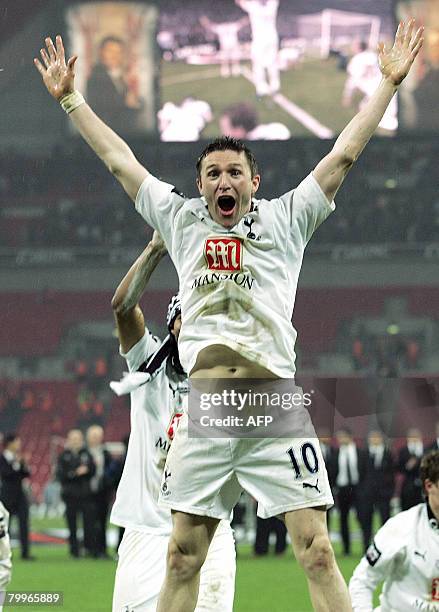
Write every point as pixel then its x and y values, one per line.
pixel 393 196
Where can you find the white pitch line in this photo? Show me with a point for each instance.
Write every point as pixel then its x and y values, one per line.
pixel 301 115
pixel 295 111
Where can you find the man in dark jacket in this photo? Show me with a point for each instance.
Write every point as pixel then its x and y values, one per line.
pixel 74 471
pixel 13 470
pixel 348 474
pixel 107 87
pixel 409 461
pixel 101 486
pixel 378 485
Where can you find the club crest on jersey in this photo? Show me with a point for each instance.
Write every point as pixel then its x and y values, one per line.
pixel 435 589
pixel 223 254
pixel 165 486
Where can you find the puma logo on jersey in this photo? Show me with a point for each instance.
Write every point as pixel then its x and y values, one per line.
pixel 422 555
pixel 306 485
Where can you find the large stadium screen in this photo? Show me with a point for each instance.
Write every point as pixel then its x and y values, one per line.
pixel 419 92
pixel 116 46
pixel 269 69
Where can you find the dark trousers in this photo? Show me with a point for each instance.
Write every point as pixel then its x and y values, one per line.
pixel 20 509
pixel 346 498
pixel 368 504
pixel 80 507
pixel 263 529
pixel 411 495
pixel 100 510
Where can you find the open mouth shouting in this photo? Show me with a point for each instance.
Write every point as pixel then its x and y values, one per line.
pixel 227 205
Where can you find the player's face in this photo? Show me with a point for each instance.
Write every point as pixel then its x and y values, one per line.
pixel 227 185
pixel 112 55
pixel 432 491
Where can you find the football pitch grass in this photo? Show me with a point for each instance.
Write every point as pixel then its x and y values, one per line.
pixel 314 85
pixel 263 584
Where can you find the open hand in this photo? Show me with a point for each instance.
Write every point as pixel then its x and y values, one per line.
pixel 395 63
pixel 57 76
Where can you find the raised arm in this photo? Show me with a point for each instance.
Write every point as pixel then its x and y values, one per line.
pixel 59 77
pixel 395 64
pixel 125 303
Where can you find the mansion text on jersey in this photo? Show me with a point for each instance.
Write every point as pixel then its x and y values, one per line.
pixel 240 278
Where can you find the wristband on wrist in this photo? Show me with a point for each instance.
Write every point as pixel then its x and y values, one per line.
pixel 71 101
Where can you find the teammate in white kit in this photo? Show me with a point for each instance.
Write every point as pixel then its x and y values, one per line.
pixel 159 386
pixel 405 554
pixel 227 33
pixel 265 44
pixel 238 261
pixel 364 76
pixel 5 553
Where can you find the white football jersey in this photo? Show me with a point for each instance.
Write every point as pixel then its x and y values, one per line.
pixel 152 407
pixel 405 554
pixel 237 285
pixel 262 19
pixel 5 548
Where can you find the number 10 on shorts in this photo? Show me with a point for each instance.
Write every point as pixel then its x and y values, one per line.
pixel 309 458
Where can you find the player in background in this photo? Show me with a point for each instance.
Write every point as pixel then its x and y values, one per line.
pixel 5 554
pixel 255 339
pixel 364 76
pixel 405 554
pixel 158 386
pixel 265 44
pixel 227 33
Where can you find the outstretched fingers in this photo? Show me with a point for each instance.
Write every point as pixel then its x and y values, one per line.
pixel 71 62
pixel 39 66
pixel 416 38
pixel 45 57
pixel 409 32
pixel 414 52
pixel 51 49
pixel 60 49
pixel 399 36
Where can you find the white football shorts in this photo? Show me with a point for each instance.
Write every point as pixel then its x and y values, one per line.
pixel 206 476
pixel 142 567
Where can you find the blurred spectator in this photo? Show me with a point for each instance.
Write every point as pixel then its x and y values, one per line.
pixel 52 499
pixel 100 372
pixel 377 487
pixel 264 527
pixel 412 354
pixel 435 444
pixel 409 461
pixel 101 486
pixel 13 470
pixel 108 88
pixel 348 474
pixel 75 469
pixel 330 455
pixel 115 474
pixel 358 355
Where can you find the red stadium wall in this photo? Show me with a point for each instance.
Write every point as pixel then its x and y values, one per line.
pixel 33 323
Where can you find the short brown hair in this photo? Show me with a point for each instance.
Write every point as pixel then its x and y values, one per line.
pixel 429 468
pixel 227 143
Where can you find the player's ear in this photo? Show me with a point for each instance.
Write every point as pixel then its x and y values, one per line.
pixel 255 183
pixel 200 188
